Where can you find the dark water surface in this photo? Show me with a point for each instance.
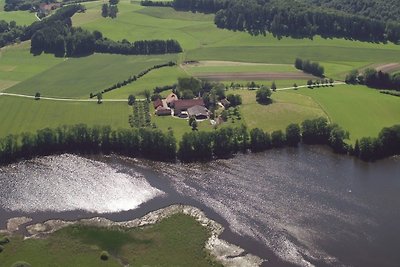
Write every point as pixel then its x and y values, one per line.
pixel 303 207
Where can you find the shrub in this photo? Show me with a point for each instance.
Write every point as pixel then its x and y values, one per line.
pixel 104 255
pixel 21 264
pixel 4 240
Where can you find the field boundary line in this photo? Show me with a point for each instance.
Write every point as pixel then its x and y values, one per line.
pixel 64 99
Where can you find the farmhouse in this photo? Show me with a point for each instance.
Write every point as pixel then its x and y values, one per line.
pixel 182 105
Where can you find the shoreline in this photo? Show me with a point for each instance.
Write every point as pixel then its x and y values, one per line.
pixel 226 253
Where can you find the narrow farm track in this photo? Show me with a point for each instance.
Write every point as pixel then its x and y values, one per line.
pixel 65 99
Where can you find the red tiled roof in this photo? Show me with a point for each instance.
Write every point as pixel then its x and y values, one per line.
pixel 157 103
pixel 182 104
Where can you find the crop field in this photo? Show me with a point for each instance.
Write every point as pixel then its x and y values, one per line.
pixel 78 77
pixel 28 115
pixel 177 240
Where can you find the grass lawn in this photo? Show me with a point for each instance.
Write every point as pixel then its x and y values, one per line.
pixel 27 115
pixel 286 108
pixel 176 241
pixel 360 110
pixel 78 77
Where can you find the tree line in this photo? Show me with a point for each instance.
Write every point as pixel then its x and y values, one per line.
pixel 194 146
pixel 375 79
pixel 81 139
pixel 225 142
pixel 297 19
pixel 56 35
pixel 313 68
pixel 133 78
pixel 374 9
pixel 10 33
pixel 156 3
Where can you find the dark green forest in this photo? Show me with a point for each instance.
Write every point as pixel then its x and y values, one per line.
pixel 295 19
pixel 374 9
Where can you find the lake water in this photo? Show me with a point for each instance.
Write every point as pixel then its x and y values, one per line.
pixel 294 207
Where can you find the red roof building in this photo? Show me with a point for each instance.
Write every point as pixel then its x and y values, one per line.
pixel 157 103
pixel 183 104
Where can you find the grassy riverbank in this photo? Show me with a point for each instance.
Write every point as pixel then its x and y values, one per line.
pixel 176 241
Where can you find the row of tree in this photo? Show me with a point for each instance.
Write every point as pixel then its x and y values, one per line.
pixel 375 79
pixel 156 3
pixel 133 78
pixel 194 146
pixel 313 68
pixel 145 47
pixel 385 145
pixel 293 18
pixel 224 142
pixel 81 139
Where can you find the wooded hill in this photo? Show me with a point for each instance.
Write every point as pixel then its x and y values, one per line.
pixel 293 18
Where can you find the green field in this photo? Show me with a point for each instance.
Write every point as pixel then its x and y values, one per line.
pixel 20 17
pixel 17 64
pixel 78 77
pixel 360 110
pixel 203 41
pixel 23 73
pixel 286 108
pixel 27 115
pixel 176 241
pixel 159 77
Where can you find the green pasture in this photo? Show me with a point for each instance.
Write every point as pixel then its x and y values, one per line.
pixel 360 110
pixel 78 77
pixel 159 77
pixel 233 69
pixel 20 17
pixel 202 40
pixel 176 241
pixel 286 108
pixel 28 115
pixel 17 64
pixel 279 83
